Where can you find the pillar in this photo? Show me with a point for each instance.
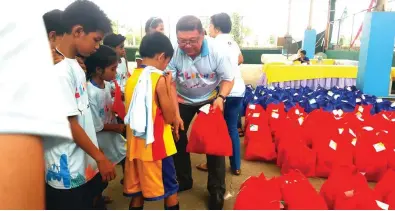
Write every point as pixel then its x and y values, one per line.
pixel 375 57
pixel 310 35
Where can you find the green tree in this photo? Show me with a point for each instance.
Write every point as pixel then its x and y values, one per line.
pixel 115 26
pixel 236 28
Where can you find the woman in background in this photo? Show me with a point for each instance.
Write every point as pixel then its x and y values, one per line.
pixel 220 27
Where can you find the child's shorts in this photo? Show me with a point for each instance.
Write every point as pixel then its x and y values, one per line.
pixel 154 180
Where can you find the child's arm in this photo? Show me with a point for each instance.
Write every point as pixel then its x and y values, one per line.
pixel 106 168
pixel 166 104
pixel 118 128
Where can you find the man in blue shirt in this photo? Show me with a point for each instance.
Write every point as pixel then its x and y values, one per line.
pixel 199 66
pixel 303 58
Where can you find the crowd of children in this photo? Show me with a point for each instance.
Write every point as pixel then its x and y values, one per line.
pixel 77 171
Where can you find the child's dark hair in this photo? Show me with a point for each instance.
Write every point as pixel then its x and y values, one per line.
pixel 113 40
pixel 88 15
pixel 155 43
pixel 303 52
pixel 53 22
pixel 222 22
pixel 189 23
pixel 102 58
pixel 152 23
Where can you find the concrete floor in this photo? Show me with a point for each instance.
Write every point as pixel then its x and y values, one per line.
pixel 197 197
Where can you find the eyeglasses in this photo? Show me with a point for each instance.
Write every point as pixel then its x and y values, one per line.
pixel 188 42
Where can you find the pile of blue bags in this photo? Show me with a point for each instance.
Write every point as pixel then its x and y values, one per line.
pixel 333 99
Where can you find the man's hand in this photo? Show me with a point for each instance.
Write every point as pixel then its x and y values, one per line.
pixel 106 169
pixel 177 125
pixel 218 103
pixel 120 129
pixel 56 57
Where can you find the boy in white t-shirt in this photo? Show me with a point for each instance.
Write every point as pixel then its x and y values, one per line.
pixel 31 110
pixel 72 166
pixel 117 42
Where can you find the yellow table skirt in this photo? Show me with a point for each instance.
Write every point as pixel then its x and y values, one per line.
pixel 281 73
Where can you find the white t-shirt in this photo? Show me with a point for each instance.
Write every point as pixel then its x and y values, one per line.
pixel 112 144
pixel 67 165
pixel 30 100
pixel 234 52
pixel 122 75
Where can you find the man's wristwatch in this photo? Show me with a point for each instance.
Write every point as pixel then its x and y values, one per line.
pixel 221 96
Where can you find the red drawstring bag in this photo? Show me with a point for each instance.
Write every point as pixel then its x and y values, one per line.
pixel 276 114
pixel 292 126
pixel 385 186
pixel 332 152
pixel 299 158
pixel 371 155
pixel 259 194
pixel 288 142
pixel 343 179
pixel 310 130
pixel 299 194
pixel 260 145
pixel 255 120
pixel 391 200
pixel 209 135
pixel 356 200
pixel 118 107
pixel 255 112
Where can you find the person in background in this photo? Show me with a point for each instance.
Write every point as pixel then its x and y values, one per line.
pixel 220 27
pixel 149 170
pixel 54 27
pixel 199 67
pixel 55 31
pixel 72 179
pixel 117 42
pixel 154 24
pixel 32 110
pixel 303 59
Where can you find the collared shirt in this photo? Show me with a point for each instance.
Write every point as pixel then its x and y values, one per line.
pixel 197 79
pixel 234 52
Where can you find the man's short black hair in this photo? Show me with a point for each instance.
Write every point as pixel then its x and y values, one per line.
pixel 152 23
pixel 155 43
pixel 303 52
pixel 222 22
pixel 189 23
pixel 113 40
pixel 53 22
pixel 102 58
pixel 88 15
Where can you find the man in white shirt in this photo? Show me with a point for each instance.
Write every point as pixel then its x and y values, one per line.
pixel 31 108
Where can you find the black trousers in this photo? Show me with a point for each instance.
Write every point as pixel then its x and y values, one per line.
pixel 182 159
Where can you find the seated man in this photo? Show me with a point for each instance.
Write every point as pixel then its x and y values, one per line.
pixel 303 58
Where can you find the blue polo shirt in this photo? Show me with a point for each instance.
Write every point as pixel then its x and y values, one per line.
pixel 197 79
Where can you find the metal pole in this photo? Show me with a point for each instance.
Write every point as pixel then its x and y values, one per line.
pixel 338 33
pixel 289 17
pixel 352 29
pixel 310 26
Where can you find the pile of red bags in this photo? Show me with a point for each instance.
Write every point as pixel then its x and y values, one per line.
pixel 316 143
pixel 291 191
pixel 209 135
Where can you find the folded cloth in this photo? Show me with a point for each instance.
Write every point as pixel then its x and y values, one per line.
pixel 141 122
